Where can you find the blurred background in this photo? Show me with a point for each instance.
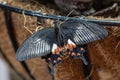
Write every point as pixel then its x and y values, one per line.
pixel 104 55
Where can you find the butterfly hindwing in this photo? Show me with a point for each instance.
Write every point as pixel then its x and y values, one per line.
pixel 37 45
pixel 82 32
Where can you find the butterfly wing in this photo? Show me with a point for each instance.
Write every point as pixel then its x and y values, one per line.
pixel 37 45
pixel 82 32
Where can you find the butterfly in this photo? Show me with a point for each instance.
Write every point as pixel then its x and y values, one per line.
pixel 41 42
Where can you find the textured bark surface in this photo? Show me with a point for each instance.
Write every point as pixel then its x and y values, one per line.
pixel 104 54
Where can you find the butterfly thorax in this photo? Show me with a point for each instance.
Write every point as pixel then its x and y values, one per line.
pixel 59 35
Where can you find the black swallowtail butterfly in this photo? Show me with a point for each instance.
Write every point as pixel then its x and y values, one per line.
pixel 40 43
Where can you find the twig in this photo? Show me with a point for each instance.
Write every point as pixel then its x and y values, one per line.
pixel 107 10
pixel 117 46
pixel 56 17
pixel 70 12
pixel 25 23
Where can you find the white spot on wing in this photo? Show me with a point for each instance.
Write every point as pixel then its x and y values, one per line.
pixel 54 47
pixel 70 42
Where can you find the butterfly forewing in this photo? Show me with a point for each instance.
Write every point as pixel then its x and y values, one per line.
pixel 37 45
pixel 82 32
